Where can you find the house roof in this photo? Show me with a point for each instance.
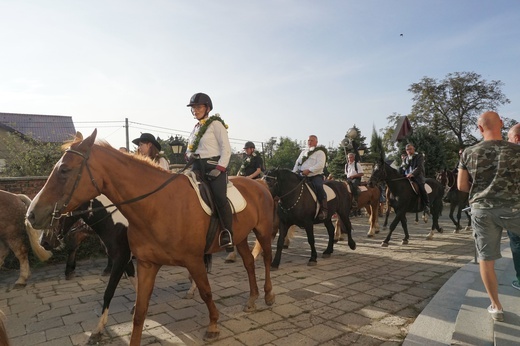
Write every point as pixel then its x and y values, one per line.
pixel 45 128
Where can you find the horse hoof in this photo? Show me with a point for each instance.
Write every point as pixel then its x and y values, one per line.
pixel 211 336
pixel 94 339
pixel 429 237
pixel 312 263
pixel 404 242
pixel 273 268
pixel 336 241
pixel 188 296
pixel 456 231
pixel 250 308
pixel 286 246
pixel 325 255
pixel 269 299
pixel 383 244
pixel 19 286
pixel 70 276
pixel 229 261
pixel 370 236
pixel 377 232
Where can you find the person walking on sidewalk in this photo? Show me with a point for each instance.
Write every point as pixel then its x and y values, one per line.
pixel 494 197
pixel 513 136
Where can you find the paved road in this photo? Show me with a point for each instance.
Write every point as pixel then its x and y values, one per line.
pixel 369 296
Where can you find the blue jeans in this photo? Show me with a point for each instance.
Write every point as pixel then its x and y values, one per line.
pixel 515 250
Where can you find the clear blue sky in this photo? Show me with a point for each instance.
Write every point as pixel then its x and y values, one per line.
pixel 273 68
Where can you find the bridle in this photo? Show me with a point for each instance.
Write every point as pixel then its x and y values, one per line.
pixel 276 187
pixel 58 213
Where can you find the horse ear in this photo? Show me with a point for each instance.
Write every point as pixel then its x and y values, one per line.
pixel 89 141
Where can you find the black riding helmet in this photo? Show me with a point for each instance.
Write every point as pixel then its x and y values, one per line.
pixel 249 145
pixel 201 99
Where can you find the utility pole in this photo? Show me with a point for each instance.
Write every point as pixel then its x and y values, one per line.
pixel 127 139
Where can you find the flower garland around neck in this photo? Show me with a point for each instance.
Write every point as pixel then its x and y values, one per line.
pixel 204 124
pixel 247 161
pixel 310 152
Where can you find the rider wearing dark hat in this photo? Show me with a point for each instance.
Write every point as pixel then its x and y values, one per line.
pixel 252 163
pixel 209 146
pixel 148 146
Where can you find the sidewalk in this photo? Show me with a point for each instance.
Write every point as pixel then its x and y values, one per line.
pixel 370 296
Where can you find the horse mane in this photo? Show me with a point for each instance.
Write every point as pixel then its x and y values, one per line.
pixel 136 157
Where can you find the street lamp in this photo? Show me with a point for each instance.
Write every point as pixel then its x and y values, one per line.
pixel 176 144
pixel 349 142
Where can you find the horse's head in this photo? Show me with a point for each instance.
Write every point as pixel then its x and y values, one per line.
pixel 378 174
pixel 279 178
pixel 442 177
pixel 70 183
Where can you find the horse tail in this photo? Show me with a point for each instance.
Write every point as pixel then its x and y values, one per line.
pixel 26 200
pixel 34 235
pixel 208 261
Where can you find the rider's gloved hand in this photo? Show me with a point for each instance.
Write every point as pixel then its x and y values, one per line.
pixel 213 174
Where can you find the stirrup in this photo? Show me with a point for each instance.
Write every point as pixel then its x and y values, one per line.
pixel 225 239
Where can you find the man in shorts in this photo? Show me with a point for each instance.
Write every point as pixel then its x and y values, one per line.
pixel 494 197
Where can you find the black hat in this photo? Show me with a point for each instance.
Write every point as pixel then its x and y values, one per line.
pixel 201 99
pixel 249 145
pixel 147 138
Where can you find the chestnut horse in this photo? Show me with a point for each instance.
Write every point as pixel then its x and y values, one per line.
pixel 368 199
pixel 167 224
pixel 12 237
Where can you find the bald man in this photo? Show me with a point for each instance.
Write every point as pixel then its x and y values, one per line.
pixel 494 197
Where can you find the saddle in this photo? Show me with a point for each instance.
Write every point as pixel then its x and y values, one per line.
pixel 235 199
pixel 328 191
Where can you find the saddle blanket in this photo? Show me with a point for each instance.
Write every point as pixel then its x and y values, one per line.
pixel 235 198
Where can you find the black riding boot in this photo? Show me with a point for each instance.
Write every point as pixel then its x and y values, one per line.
pixel 354 201
pixel 322 215
pixel 226 235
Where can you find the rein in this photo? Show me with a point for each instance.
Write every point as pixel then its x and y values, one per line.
pixel 57 214
pixel 300 184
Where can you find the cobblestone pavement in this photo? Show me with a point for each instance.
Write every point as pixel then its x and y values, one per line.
pixel 369 296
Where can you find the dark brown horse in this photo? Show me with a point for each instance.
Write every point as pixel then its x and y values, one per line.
pixel 406 200
pixel 167 224
pixel 297 207
pixel 456 198
pixel 12 234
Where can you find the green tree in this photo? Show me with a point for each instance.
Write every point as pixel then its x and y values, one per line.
pixel 377 149
pixel 27 157
pixel 282 154
pixel 450 107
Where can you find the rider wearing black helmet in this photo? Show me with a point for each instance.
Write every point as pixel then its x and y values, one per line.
pixel 252 163
pixel 209 146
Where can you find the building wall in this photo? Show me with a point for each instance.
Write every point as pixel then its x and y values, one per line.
pixel 29 186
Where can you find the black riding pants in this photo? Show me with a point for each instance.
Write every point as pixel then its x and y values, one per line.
pixel 218 188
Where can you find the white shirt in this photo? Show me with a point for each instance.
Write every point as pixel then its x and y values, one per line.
pixel 164 163
pixel 314 163
pixel 214 142
pixel 350 169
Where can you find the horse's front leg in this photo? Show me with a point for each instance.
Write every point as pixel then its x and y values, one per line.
pixel 330 246
pixel 404 224
pixel 118 267
pixel 282 233
pixel 398 217
pixel 249 264
pixel 199 274
pixel 146 274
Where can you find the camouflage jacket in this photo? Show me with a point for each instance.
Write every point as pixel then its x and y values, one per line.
pixel 494 167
